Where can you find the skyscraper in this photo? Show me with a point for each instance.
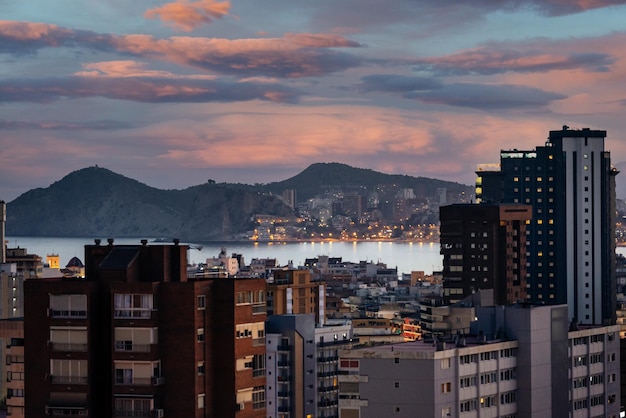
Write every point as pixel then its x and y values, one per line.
pixel 571 240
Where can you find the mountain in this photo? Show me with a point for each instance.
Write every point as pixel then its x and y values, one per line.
pixel 318 176
pixel 97 202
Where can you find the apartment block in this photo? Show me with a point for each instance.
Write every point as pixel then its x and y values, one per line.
pixel 294 292
pixel 302 365
pixel 484 247
pixel 570 184
pixel 136 338
pixel 518 361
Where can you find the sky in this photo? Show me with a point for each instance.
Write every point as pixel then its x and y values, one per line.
pixel 174 93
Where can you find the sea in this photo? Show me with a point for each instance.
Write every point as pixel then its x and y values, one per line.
pixel 405 256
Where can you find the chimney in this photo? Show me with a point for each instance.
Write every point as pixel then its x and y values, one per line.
pixel 3 220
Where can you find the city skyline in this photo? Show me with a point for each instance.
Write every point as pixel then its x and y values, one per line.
pixel 175 93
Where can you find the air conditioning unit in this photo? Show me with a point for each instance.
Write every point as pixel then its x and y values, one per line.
pixel 159 413
pixel 241 406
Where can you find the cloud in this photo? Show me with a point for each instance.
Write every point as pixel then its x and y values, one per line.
pixel 129 68
pixel 98 125
pixel 494 59
pixel 393 83
pixel 142 89
pixel 435 16
pixel 293 55
pixel 486 96
pixel 187 16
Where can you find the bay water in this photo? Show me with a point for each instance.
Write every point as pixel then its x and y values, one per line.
pixel 406 256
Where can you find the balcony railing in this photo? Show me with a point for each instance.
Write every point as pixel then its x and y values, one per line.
pixel 136 313
pixel 69 380
pixel 68 347
pixel 134 413
pixel 140 381
pixel 132 347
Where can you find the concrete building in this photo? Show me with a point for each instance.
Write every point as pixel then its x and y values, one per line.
pixel 12 377
pixel 484 247
pixel 291 366
pixel 135 330
pixel 570 184
pixel 521 362
pixel 302 365
pixel 294 292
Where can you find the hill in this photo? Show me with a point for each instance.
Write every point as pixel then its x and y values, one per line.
pixel 320 176
pixel 95 201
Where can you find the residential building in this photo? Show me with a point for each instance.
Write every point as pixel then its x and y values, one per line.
pixel 12 377
pixel 295 292
pixel 520 361
pixel 136 329
pixel 291 366
pixel 484 247
pixel 302 365
pixel 570 184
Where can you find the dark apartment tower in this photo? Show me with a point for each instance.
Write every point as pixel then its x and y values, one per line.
pixel 484 247
pixel 136 338
pixel 571 241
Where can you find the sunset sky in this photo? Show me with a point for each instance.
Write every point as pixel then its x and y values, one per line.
pixel 175 93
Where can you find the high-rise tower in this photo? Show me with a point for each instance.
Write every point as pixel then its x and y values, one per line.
pixel 571 240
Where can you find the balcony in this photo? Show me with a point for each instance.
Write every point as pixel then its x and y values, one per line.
pixel 259 309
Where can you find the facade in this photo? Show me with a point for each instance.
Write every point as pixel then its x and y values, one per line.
pixel 294 292
pixel 135 329
pixel 570 184
pixel 302 364
pixel 291 365
pixel 521 362
pixel 12 377
pixel 484 247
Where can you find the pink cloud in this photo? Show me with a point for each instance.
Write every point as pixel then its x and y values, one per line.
pixel 187 16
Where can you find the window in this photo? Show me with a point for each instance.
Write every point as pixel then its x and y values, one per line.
pixel 201 368
pixel 258 397
pixel 135 339
pixel 201 399
pixel 396 385
pixel 488 401
pixel 132 306
pixel 508 397
pixel 445 363
pixel 200 335
pixel 201 302
pixel 68 338
pixel 467 406
pixel 132 407
pixel 68 306
pixel 467 381
pixel 445 387
pixel 65 371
